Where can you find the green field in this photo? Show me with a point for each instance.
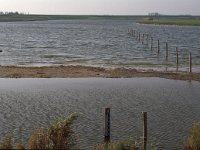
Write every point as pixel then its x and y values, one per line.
pixel 178 20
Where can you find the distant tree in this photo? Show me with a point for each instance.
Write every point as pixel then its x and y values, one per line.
pixel 16 13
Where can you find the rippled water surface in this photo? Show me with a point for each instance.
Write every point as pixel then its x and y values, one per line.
pixel 96 43
pixel 172 107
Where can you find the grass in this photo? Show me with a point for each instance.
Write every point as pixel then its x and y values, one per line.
pixel 118 145
pixel 193 140
pixel 58 136
pixel 123 145
pixel 192 21
pixel 173 22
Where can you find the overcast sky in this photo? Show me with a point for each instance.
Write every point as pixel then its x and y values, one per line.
pixel 102 7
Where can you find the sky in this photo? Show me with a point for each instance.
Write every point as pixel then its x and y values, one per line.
pixel 102 7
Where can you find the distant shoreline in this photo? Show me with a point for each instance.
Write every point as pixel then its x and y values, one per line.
pixel 84 72
pixel 32 17
pixel 136 18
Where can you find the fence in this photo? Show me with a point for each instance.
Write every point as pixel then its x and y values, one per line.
pixel 108 128
pixel 145 41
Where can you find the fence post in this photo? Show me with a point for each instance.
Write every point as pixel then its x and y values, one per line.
pixel 158 46
pixel 190 62
pixel 139 36
pixel 166 50
pixel 177 62
pixel 107 125
pixel 151 43
pixel 147 39
pixel 144 115
pixel 136 36
pixel 142 38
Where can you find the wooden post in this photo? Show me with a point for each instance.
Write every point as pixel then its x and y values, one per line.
pixel 166 50
pixel 134 33
pixel 177 62
pixel 147 39
pixel 158 46
pixel 190 62
pixel 144 115
pixel 107 125
pixel 151 43
pixel 139 36
pixel 142 38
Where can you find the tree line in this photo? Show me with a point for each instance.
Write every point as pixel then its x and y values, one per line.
pixel 12 13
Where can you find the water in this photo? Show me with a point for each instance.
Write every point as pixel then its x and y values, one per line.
pixel 172 107
pixel 103 43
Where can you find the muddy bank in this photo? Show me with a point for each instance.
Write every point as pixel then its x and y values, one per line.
pixel 83 71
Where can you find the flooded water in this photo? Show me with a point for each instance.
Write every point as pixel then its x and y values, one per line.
pixel 172 107
pixel 103 43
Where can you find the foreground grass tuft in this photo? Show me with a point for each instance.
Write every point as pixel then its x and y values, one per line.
pixel 193 139
pixel 123 145
pixel 117 145
pixel 58 136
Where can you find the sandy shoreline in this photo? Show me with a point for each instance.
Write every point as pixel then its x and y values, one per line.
pixel 83 71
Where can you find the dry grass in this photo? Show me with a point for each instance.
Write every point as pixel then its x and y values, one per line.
pixel 123 145
pixel 118 145
pixel 58 136
pixel 193 140
pixel 6 143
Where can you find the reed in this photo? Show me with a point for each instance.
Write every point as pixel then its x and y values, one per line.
pixel 193 140
pixel 124 145
pixel 58 136
pixel 117 145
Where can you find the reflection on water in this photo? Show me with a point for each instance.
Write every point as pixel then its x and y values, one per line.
pixel 172 107
pixel 95 42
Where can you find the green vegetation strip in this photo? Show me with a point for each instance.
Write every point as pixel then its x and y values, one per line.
pixel 193 22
